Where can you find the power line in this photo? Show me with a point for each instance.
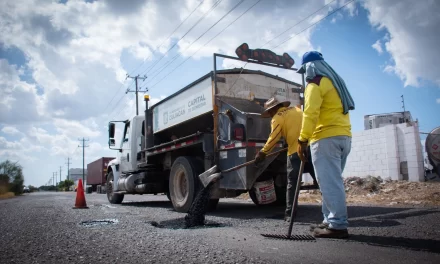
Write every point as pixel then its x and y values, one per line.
pixel 296 24
pixel 204 45
pixel 198 21
pixel 177 55
pixel 329 14
pixel 114 96
pixel 136 90
pixel 296 34
pixel 201 2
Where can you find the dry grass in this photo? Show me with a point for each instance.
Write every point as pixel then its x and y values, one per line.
pixel 375 191
pixel 7 195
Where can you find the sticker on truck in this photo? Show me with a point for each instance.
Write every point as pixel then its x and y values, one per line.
pixel 193 102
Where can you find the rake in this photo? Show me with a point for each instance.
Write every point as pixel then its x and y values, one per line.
pixel 289 235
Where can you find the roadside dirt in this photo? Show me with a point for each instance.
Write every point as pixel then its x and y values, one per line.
pixel 375 191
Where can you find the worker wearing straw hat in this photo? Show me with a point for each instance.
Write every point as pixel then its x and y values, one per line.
pixel 285 123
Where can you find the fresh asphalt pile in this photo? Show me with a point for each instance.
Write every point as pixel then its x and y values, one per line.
pixel 197 211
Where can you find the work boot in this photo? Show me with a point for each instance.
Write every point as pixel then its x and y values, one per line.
pixel 330 233
pixel 321 226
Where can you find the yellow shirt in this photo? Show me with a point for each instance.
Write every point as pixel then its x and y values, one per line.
pixel 323 112
pixel 287 124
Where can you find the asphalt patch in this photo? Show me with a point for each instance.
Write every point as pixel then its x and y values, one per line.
pixel 97 223
pixel 179 223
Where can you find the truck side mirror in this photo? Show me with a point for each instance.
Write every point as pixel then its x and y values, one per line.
pixel 111 130
pixel 111 142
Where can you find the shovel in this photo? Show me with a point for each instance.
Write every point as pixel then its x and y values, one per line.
pixel 213 175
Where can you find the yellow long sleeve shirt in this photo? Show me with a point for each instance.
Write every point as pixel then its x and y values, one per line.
pixel 323 112
pixel 287 124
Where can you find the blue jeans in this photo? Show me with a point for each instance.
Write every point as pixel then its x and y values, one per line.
pixel 329 156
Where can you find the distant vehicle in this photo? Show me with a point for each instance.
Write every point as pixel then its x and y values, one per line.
pixel 26 190
pixel 96 173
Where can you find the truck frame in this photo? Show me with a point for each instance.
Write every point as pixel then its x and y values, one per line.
pixel 204 124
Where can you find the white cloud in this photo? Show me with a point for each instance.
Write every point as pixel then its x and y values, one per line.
pixel 412 42
pixel 378 46
pixel 74 56
pixel 438 100
pixel 10 130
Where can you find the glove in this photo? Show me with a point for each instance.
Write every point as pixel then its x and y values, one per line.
pixel 259 157
pixel 302 150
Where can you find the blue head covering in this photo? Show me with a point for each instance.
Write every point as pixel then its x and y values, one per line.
pixel 313 64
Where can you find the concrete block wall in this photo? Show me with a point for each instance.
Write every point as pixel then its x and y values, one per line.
pixel 380 152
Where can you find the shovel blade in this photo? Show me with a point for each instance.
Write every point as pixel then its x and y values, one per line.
pixel 207 176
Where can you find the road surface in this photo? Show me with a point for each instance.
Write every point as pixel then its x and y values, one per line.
pixel 43 228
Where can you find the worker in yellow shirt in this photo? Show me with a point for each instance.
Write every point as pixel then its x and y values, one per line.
pixel 285 123
pixel 326 127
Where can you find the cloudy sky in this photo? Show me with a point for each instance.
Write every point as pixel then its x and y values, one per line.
pixel 63 63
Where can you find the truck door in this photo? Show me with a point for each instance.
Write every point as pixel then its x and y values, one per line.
pixel 126 148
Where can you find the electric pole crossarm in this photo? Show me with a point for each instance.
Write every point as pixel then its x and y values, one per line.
pixel 137 89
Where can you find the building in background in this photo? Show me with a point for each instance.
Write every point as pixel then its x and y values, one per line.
pixel 77 173
pixel 381 120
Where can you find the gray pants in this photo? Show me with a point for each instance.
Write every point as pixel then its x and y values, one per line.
pixel 329 158
pixel 293 165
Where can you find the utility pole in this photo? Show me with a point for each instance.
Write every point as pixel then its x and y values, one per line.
pixel 68 163
pixel 403 106
pixel 137 89
pixel 403 103
pixel 56 181
pixel 60 173
pixel 83 146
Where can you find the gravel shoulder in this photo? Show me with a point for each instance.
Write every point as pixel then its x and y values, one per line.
pixel 43 228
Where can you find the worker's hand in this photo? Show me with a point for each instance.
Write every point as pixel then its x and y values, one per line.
pixel 302 150
pixel 259 157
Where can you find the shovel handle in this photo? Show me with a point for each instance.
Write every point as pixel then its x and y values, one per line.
pixel 252 161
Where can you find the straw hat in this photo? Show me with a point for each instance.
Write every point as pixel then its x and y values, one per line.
pixel 271 103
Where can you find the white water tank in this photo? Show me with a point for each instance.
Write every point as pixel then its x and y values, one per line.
pixel 381 120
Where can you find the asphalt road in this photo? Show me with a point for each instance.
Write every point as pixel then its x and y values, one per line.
pixel 43 228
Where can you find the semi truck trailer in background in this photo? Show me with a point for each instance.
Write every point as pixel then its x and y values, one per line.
pixel 96 172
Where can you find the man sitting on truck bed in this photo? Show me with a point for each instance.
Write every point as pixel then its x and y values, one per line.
pixel 286 123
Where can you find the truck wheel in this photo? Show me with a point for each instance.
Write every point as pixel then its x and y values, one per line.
pixel 184 183
pixel 114 198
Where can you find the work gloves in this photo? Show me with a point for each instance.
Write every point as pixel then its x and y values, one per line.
pixel 302 150
pixel 259 157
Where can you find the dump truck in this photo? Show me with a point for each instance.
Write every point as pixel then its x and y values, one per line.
pixel 214 120
pixel 96 172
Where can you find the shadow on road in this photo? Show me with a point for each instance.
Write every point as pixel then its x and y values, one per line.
pixel 312 212
pixel 399 242
pixel 164 204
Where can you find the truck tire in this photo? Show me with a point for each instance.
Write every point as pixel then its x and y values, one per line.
pixel 113 198
pixel 184 183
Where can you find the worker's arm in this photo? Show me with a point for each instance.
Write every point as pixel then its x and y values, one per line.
pixel 312 105
pixel 275 134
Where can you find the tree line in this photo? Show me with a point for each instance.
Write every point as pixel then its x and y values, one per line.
pixel 12 180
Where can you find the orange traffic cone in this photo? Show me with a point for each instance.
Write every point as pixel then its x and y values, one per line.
pixel 80 202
